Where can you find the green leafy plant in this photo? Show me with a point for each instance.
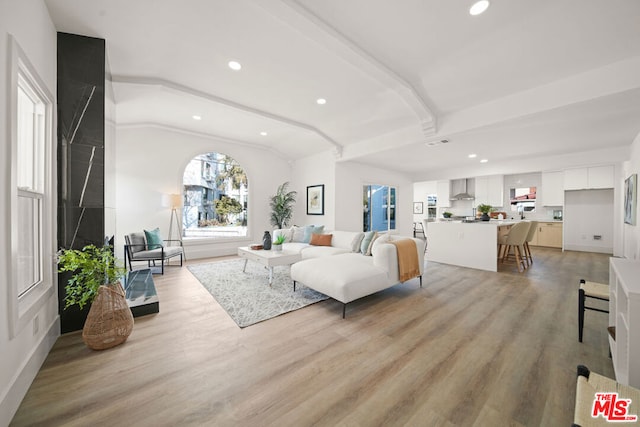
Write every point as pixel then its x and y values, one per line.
pixel 279 239
pixel 485 209
pixel 225 206
pixel 447 214
pixel 91 267
pixel 282 204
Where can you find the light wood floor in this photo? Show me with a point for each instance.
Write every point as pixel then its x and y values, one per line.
pixel 470 348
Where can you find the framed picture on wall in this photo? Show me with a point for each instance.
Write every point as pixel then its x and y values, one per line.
pixel 630 193
pixel 315 199
pixel 418 208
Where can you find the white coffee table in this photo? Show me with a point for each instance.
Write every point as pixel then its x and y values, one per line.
pixel 269 259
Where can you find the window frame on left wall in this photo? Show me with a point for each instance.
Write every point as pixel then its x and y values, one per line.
pixel 36 188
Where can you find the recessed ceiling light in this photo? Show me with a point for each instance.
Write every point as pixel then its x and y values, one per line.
pixel 263 133
pixel 321 101
pixel 234 65
pixel 479 7
pixel 484 161
pixel 196 117
pixel 473 156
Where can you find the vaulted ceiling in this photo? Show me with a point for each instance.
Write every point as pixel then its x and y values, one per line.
pixel 524 80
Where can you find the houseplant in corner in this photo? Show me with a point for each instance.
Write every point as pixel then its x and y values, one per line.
pixel 95 279
pixel 485 210
pixel 282 206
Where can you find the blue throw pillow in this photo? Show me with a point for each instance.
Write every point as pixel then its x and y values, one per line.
pixel 154 240
pixel 366 241
pixel 311 229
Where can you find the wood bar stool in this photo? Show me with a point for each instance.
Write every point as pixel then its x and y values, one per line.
pixel 515 241
pixel 591 290
pixel 527 250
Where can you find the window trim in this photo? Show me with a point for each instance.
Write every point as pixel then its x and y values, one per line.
pixel 22 308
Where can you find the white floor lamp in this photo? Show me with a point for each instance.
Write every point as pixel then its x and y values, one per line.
pixel 175 202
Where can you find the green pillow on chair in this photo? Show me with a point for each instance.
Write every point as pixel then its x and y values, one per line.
pixel 154 241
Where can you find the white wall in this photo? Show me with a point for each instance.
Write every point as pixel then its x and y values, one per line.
pixel 631 233
pixel 588 213
pixel 351 176
pixel 22 355
pixel 315 170
pixel 151 161
pixel 420 192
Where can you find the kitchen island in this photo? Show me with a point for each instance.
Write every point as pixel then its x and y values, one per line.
pixel 466 244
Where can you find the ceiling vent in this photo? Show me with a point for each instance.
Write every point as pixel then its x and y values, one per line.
pixel 436 143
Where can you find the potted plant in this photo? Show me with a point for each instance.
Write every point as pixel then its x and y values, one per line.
pixel 277 243
pixel 485 210
pixel 95 279
pixel 282 204
pixel 447 214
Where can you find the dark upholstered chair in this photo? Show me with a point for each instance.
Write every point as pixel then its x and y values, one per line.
pixel 136 249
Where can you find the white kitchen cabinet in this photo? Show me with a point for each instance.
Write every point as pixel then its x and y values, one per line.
pixel 589 178
pixel 576 179
pixel 601 177
pixel 490 190
pixel 624 320
pixel 444 194
pixel 552 189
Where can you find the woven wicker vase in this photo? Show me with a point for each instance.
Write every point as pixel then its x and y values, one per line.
pixel 110 321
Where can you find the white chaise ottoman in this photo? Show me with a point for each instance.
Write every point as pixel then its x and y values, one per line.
pixel 344 277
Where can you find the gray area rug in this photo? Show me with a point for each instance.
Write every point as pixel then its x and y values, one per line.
pixel 247 297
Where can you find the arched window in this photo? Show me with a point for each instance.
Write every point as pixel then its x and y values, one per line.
pixel 215 192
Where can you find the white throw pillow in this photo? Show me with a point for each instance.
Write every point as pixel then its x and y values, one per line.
pixel 286 232
pixel 297 234
pixel 379 239
pixel 357 240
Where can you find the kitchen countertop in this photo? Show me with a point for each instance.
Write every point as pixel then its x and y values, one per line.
pixel 495 221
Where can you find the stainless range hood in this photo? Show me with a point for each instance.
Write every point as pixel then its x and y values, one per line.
pixel 463 195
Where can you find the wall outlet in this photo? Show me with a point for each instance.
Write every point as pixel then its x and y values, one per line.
pixel 597 237
pixel 36 325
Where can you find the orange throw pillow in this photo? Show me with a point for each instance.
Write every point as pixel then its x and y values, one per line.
pixel 321 239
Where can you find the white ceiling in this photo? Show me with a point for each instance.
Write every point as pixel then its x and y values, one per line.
pixel 524 80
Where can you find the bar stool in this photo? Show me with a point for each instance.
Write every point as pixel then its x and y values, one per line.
pixel 527 250
pixel 418 228
pixel 515 240
pixel 593 290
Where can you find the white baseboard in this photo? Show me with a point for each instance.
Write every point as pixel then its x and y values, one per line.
pixel 24 377
pixel 586 248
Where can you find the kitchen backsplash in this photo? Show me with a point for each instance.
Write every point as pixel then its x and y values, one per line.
pixel 463 208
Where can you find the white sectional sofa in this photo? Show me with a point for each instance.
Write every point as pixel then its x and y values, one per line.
pixel 348 269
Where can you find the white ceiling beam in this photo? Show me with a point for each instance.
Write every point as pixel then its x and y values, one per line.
pixel 204 135
pixel 619 77
pixel 614 78
pixel 295 15
pixel 189 91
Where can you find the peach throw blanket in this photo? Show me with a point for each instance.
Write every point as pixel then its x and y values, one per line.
pixel 408 264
